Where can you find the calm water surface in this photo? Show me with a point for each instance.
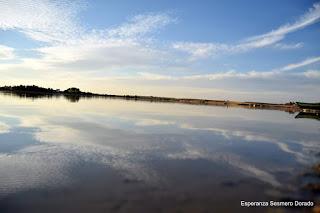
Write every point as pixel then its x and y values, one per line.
pixel 108 155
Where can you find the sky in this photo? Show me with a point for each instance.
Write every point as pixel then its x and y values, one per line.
pixel 243 50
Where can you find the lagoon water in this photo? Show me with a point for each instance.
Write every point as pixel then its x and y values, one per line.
pixel 111 155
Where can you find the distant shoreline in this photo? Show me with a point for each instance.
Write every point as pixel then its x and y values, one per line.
pixel 75 94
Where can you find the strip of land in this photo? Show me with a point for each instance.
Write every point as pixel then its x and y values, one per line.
pixel 74 94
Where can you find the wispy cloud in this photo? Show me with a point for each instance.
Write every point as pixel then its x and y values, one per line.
pixel 203 50
pixel 300 64
pixel 240 75
pixel 42 20
pixel 232 74
pixel 154 76
pixel 59 21
pixel 310 17
pixel 212 76
pixel 70 46
pixel 141 25
pixel 6 52
pixel 283 46
pixel 315 74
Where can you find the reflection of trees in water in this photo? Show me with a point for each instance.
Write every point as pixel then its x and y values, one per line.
pixel 69 97
pixel 72 98
pixel 29 95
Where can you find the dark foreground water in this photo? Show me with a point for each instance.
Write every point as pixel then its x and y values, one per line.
pixel 104 155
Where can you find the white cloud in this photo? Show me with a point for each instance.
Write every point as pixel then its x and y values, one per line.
pixel 154 76
pixel 310 17
pixel 96 55
pixel 70 47
pixel 312 74
pixel 204 50
pixel 301 64
pixel 201 50
pixel 239 75
pixel 6 52
pixel 288 46
pixel 233 74
pixel 58 22
pixel 42 20
pixel 121 46
pixel 213 76
pixel 140 25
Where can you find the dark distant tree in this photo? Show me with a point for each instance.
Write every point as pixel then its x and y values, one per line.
pixel 72 90
pixel 27 89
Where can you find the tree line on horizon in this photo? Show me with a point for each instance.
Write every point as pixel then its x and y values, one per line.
pixel 37 89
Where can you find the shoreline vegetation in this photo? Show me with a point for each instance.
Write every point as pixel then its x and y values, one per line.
pixel 74 94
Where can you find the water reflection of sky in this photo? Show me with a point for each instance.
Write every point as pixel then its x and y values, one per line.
pixel 48 143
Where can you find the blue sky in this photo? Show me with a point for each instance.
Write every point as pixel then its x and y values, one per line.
pixel 242 50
